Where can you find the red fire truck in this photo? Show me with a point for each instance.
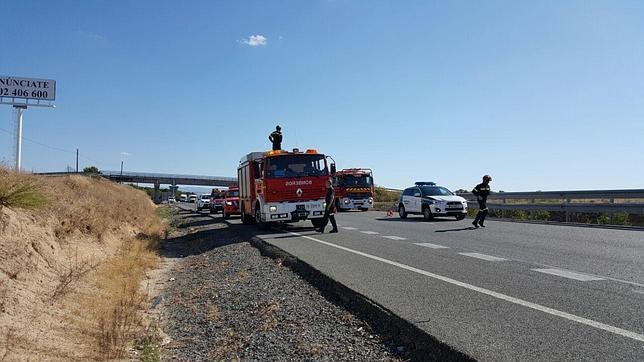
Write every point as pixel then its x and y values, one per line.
pixel 354 189
pixel 282 186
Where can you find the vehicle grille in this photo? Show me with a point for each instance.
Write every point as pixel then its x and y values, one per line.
pixel 453 203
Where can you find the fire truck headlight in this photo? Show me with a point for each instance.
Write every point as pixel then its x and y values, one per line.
pixel 272 209
pixel 370 200
pixel 347 201
pixel 229 203
pixel 324 205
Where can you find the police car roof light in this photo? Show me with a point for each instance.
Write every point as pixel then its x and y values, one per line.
pixel 425 183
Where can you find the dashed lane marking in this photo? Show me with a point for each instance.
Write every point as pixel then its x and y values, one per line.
pixel 370 232
pixel 349 228
pixel 394 237
pixel 569 274
pixel 571 317
pixel 432 246
pixel 483 256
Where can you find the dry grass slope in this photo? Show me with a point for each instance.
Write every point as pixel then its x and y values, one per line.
pixel 73 252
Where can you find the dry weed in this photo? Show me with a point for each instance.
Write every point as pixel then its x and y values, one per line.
pixel 21 191
pixel 71 273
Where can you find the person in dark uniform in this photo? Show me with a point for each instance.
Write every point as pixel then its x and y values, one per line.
pixel 481 191
pixel 329 211
pixel 276 138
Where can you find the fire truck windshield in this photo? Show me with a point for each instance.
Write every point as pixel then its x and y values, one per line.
pixel 351 180
pixel 296 166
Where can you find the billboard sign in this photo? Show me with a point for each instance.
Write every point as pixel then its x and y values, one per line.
pixel 28 88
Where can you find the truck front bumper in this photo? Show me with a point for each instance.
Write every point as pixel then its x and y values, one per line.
pixel 293 211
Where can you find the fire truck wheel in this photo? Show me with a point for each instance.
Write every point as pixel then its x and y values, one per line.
pixel 258 219
pixel 317 223
pixel 246 220
pixel 401 212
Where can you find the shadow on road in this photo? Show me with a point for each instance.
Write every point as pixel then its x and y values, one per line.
pixel 450 230
pixel 413 219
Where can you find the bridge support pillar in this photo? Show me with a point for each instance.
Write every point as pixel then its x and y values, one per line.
pixel 156 197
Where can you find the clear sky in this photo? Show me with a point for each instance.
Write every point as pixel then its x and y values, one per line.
pixel 542 95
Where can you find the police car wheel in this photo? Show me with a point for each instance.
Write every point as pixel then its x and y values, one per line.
pixel 401 212
pixel 427 214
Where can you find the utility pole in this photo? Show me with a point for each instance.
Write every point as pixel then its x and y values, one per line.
pixel 77 160
pixel 121 180
pixel 19 109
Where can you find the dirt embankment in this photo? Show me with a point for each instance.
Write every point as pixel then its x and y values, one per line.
pixel 70 269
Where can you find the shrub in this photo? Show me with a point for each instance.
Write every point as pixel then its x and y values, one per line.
pixel 603 219
pixel 91 169
pixel 20 191
pixel 540 215
pixel 621 218
pixel 382 195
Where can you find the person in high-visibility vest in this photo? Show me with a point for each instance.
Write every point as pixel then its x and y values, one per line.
pixel 481 191
pixel 276 138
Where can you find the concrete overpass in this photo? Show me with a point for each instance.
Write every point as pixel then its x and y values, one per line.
pixel 158 179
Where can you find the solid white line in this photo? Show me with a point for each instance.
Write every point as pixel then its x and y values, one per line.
pixel 483 256
pixel 349 228
pixel 507 298
pixel 432 246
pixel 370 232
pixel 394 238
pixel 569 274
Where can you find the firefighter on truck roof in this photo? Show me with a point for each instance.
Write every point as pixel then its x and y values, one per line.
pixel 276 138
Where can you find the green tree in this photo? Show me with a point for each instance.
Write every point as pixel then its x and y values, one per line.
pixel 91 169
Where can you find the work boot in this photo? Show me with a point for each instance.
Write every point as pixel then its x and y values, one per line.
pixel 481 224
pixel 333 231
pixel 475 224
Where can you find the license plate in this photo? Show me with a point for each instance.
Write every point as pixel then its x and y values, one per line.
pixel 454 207
pixel 300 207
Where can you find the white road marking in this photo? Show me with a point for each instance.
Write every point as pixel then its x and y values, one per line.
pixel 638 291
pixel 349 228
pixel 483 256
pixel 432 246
pixel 569 274
pixel 394 237
pixel 507 298
pixel 370 232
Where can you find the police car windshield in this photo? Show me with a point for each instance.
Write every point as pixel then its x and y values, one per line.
pixel 435 191
pixel 296 166
pixel 351 180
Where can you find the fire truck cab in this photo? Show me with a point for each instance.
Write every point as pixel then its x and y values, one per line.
pixel 283 186
pixel 354 189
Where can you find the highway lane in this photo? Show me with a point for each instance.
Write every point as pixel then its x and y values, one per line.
pixel 586 302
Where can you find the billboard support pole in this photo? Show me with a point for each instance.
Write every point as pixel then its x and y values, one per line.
pixel 19 112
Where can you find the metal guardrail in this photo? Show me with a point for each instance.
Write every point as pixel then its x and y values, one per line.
pixel 606 201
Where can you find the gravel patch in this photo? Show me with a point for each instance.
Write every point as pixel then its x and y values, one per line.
pixel 225 301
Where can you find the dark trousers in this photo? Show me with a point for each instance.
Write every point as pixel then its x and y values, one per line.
pixel 328 216
pixel 483 210
pixel 277 146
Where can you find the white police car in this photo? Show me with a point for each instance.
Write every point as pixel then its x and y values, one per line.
pixel 429 200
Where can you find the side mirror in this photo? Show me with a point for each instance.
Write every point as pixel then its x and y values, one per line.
pixel 333 169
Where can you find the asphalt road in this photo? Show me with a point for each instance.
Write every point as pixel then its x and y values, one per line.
pixel 511 291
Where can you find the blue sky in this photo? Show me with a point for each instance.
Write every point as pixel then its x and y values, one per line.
pixel 541 95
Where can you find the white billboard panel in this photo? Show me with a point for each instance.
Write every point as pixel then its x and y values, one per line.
pixel 28 88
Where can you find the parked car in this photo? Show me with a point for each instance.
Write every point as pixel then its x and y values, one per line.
pixel 171 200
pixel 231 203
pixel 203 202
pixel 192 198
pixel 430 200
pixel 217 204
pixel 183 198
